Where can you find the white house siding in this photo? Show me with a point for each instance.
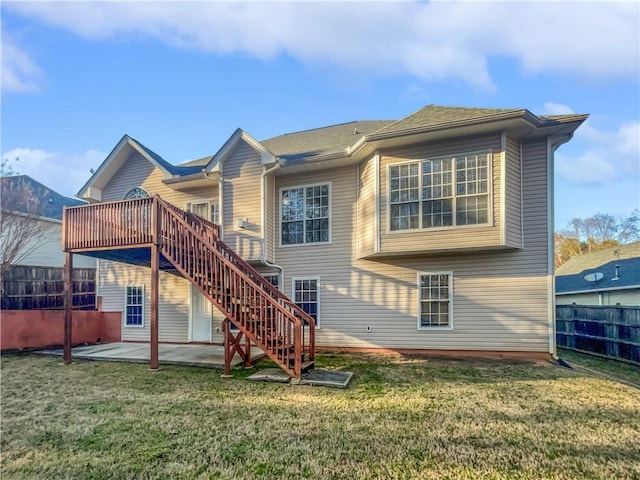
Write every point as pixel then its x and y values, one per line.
pixel 241 196
pixel 113 277
pixel 629 298
pixel 46 249
pixel 500 297
pixel 513 194
pixel 446 238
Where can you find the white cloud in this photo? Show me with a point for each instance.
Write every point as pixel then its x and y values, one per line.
pixel 431 41
pixel 551 108
pixel 608 155
pixel 63 172
pixel 20 74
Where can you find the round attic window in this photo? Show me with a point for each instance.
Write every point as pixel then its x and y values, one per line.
pixel 136 193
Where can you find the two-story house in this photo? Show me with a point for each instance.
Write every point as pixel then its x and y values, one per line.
pixel 433 232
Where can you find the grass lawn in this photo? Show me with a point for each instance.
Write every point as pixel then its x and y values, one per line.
pixel 403 417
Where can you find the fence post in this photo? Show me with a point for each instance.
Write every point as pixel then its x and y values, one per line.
pixel 68 305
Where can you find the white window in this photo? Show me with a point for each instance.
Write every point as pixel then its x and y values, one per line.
pixel 136 193
pixel 306 294
pixel 205 209
pixel 435 300
pixel 273 279
pixel 440 192
pixel 304 214
pixel 134 306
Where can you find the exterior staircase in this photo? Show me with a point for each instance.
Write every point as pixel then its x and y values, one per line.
pixel 191 247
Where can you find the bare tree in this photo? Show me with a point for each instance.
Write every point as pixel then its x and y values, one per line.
pixel 598 232
pixel 22 229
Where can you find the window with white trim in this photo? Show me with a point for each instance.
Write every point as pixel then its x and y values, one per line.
pixel 306 295
pixel 136 193
pixel 440 192
pixel 134 306
pixel 435 299
pixel 205 209
pixel 304 215
pixel 273 279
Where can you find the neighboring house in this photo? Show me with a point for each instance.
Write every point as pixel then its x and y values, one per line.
pixel 27 200
pixel 619 285
pixel 433 232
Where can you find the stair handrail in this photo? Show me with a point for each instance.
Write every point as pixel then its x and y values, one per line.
pixel 213 230
pixel 297 323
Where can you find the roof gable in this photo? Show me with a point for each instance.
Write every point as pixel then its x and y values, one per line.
pixel 214 165
pixel 114 161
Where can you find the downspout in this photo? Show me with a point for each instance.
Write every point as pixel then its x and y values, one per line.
pixel 551 148
pixel 263 202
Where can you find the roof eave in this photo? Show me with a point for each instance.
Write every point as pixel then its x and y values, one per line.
pixel 596 290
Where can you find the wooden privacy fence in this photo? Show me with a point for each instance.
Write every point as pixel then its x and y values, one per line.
pixel 42 288
pixel 608 331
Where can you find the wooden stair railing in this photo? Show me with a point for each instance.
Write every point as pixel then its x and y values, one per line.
pixel 192 246
pixel 211 232
pixel 246 298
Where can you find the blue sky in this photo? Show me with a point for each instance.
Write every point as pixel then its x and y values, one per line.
pixel 181 77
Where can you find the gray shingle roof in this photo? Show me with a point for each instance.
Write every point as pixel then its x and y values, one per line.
pixel 173 169
pixel 50 202
pixel 570 276
pixel 321 141
pixel 433 115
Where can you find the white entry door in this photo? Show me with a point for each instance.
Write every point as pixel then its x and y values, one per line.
pixel 200 317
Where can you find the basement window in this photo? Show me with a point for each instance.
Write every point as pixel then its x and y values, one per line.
pixel 306 295
pixel 435 300
pixel 134 306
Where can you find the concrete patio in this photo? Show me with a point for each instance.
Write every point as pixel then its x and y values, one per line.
pixel 209 356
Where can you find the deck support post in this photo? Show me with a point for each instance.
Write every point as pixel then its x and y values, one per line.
pixel 227 346
pixel 247 352
pixel 155 266
pixel 68 305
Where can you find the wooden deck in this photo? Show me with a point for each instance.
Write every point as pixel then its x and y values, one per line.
pixel 156 234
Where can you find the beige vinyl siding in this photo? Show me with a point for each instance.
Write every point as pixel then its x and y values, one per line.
pixel 137 171
pixel 113 277
pixel 513 194
pixel 366 208
pixel 173 309
pixel 443 239
pixel 500 297
pixel 241 172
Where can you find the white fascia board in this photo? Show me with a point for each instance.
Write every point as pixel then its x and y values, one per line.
pixel 596 290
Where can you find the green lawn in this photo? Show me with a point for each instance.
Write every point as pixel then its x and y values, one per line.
pixel 403 417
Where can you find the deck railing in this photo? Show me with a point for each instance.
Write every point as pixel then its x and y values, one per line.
pixel 192 245
pixel 111 224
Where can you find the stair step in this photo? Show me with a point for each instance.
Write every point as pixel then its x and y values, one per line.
pixel 308 365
